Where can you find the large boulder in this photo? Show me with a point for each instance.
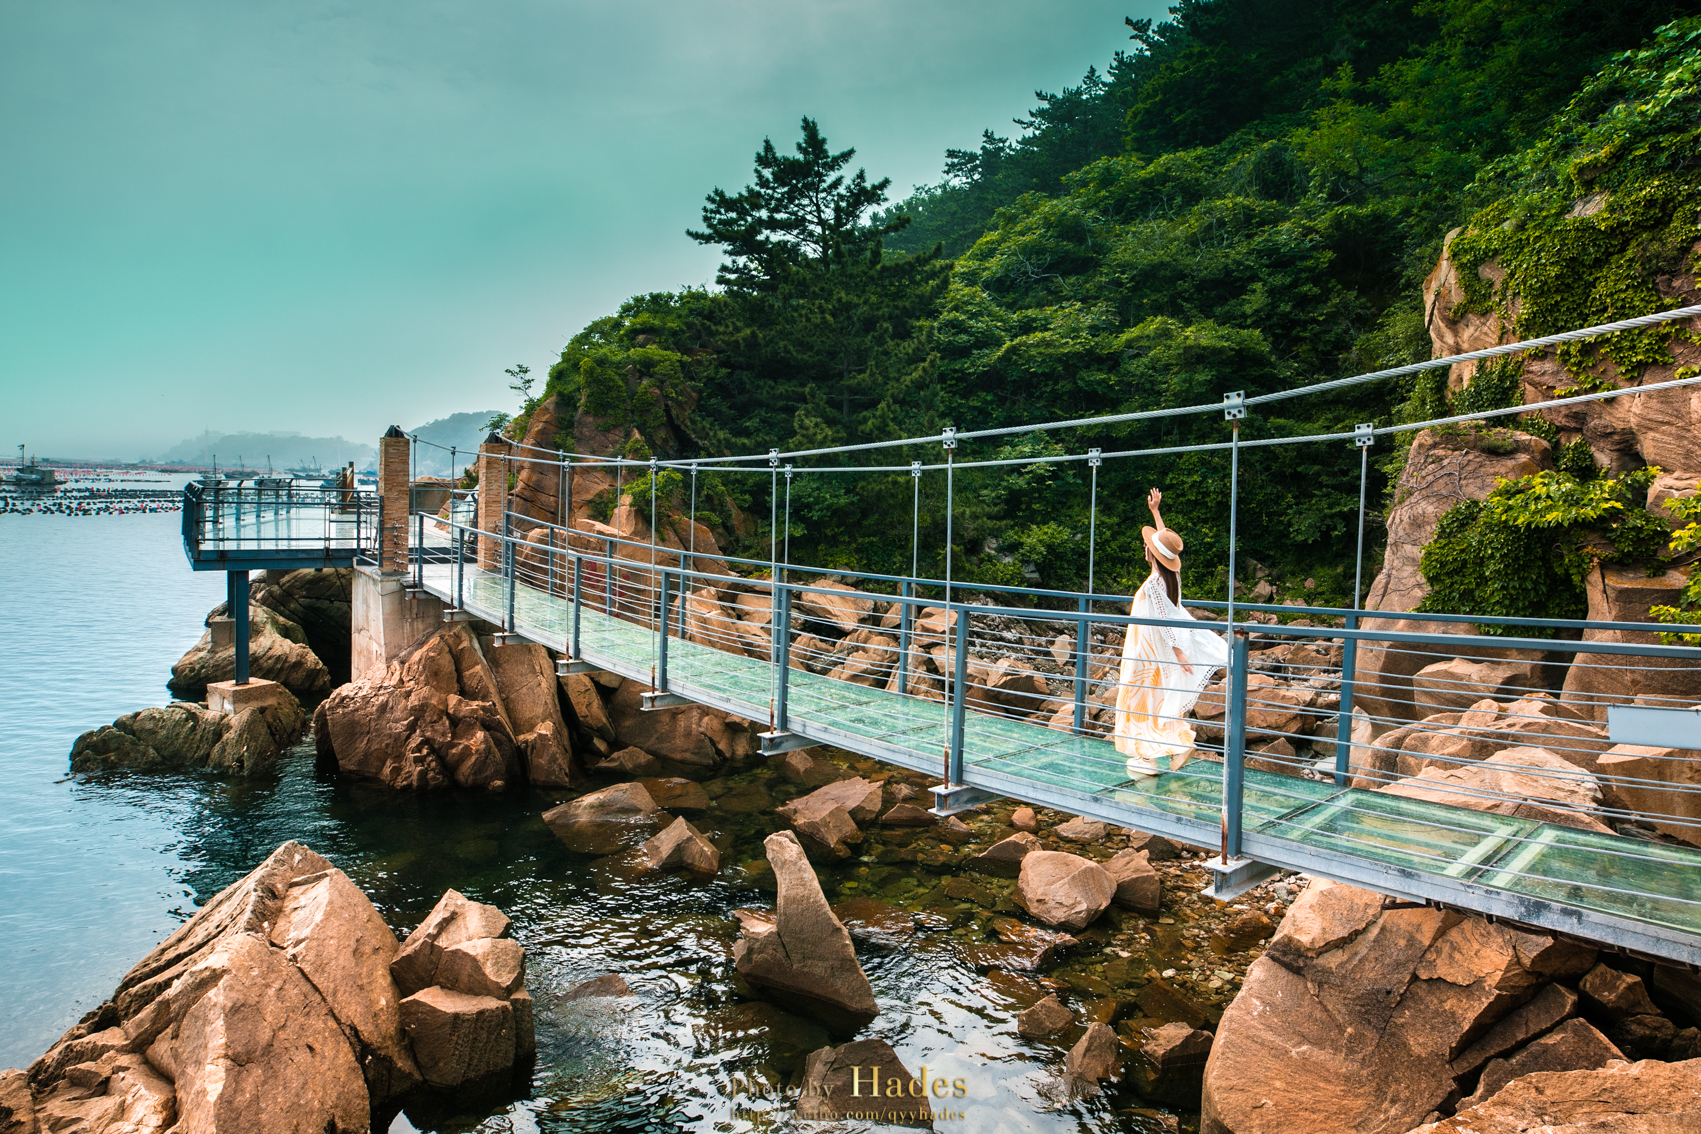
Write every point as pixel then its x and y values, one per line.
pixel 1663 784
pixel 827 817
pixel 1459 683
pixel 697 739
pixel 526 681
pixel 1442 469
pixel 1531 782
pixel 430 718
pixel 606 821
pixel 1354 1017
pixel 804 957
pixel 1624 594
pixel 277 651
pixel 681 845
pixel 1138 886
pixel 1063 889
pixel 1620 1098
pixel 274 1008
pixel 186 734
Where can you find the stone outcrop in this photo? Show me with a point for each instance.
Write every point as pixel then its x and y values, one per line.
pixel 1063 889
pixel 187 735
pixel 273 1009
pixel 694 740
pixel 1621 1098
pixel 432 717
pixel 1377 1021
pixel 804 957
pixel 277 651
pixel 1624 594
pixel 1138 886
pixel 827 817
pixel 865 1079
pixel 606 821
pixel 1441 470
pixel 1663 784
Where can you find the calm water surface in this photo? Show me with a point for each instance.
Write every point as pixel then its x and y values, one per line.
pixel 93 873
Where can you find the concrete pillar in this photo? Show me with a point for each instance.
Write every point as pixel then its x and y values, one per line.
pixel 492 497
pixel 386 619
pixel 393 486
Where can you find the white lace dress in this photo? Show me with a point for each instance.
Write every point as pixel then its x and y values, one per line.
pixel 1154 692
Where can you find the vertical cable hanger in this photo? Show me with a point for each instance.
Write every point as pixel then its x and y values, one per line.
pixel 949 440
pixel 1094 460
pixel 773 582
pixel 655 580
pixel 1234 409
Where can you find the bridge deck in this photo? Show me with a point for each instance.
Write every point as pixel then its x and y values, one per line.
pixel 1641 895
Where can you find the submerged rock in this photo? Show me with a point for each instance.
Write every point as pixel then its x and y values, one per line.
pixel 682 846
pixel 804 957
pixel 185 735
pixel 606 821
pixel 866 1079
pixel 1093 1059
pixel 1046 1018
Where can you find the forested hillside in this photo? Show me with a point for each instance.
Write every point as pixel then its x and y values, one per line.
pixel 1248 197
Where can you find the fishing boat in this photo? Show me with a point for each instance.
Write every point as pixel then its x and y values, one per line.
pixel 33 474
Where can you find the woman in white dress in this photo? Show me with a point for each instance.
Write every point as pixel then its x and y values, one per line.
pixel 1164 668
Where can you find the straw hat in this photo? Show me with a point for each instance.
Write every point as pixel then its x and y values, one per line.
pixel 1166 546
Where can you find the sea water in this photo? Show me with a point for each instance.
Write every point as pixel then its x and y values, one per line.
pixel 94 871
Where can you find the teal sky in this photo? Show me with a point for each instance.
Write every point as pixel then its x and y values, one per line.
pixel 331 217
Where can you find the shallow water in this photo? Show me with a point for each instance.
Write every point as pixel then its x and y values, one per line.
pixel 94 872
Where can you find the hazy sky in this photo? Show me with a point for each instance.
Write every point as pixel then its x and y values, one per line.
pixel 331 217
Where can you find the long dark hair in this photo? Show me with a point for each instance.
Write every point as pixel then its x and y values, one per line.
pixel 1172 582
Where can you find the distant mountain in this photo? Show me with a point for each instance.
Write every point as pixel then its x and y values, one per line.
pixel 462 430
pixel 283 450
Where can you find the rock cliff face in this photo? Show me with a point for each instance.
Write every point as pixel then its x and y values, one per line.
pixel 276 1008
pixel 1365 1020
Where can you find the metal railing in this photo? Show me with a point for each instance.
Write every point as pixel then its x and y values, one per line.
pixel 1495 788
pixel 232 524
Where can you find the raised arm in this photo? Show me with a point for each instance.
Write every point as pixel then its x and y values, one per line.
pixel 1153 499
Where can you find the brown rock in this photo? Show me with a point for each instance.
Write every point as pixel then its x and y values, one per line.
pixel 1241 933
pixel 1574 1046
pixel 909 815
pixel 257 1035
pixel 429 718
pixel 1628 1098
pixel 860 798
pixel 526 682
pixel 1024 819
pixel 277 651
pixel 1082 830
pixel 1616 994
pixel 1138 886
pixel 806 958
pixel 484 966
pixel 586 705
pixel 1551 1006
pixel 956 832
pixel 606 986
pixel 1643 1037
pixel 119 1093
pixel 677 794
pixel 17 1110
pixel 842 609
pixel 606 821
pixel 1458 683
pixel 801 766
pixel 631 762
pixel 1020 947
pixel 682 846
pixel 1624 594
pixel 1063 889
pixel 187 735
pixel 452 921
pixel 1663 784
pixel 1093 1058
pixel 695 737
pixel 463 1043
pixel 1157 848
pixel 328 929
pixel 1325 916
pixel 866 1078
pixel 1507 780
pixel 1171 1067
pixel 1003 859
pixel 1046 1018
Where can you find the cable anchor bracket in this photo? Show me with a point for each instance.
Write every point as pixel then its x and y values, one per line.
pixel 1364 434
pixel 1234 406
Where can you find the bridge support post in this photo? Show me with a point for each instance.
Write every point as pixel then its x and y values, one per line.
pixel 236 595
pixel 665 599
pixel 394 490
pixel 492 498
pixel 959 700
pixel 904 617
pixel 782 643
pixel 1344 724
pixel 1083 666
pixel 1234 747
pixel 578 603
